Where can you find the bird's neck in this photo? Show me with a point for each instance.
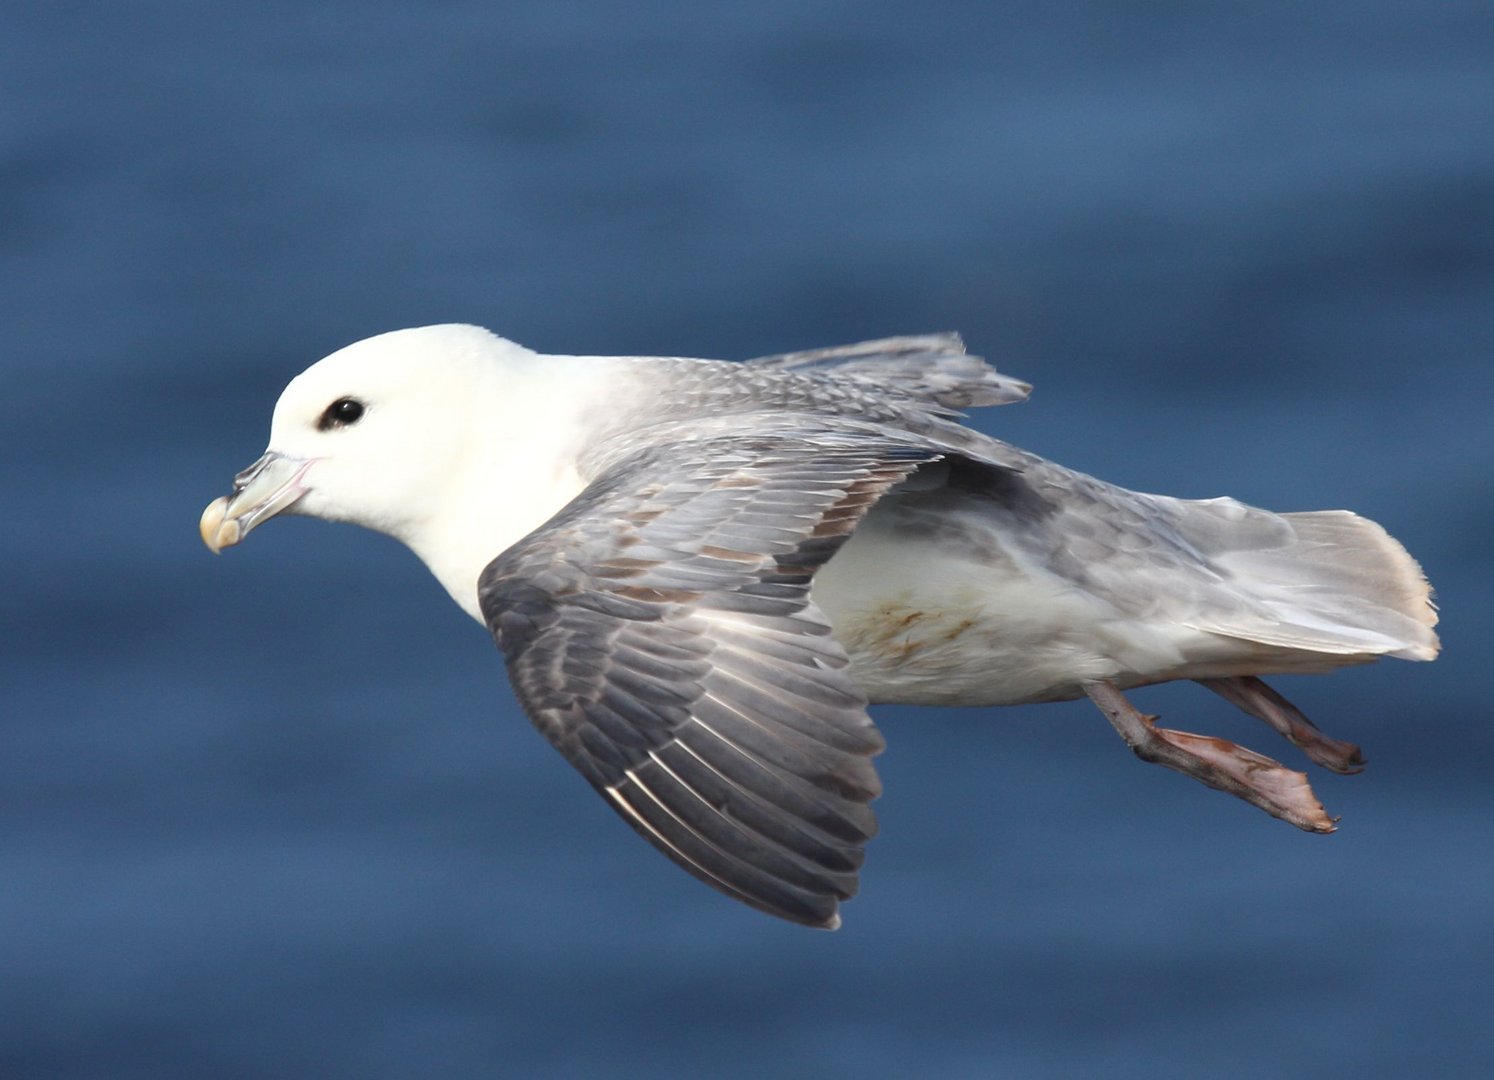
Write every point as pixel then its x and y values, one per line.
pixel 521 476
pixel 464 545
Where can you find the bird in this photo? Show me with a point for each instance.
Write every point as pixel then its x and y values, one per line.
pixel 702 572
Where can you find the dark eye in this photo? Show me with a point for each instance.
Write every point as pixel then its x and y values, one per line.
pixel 340 413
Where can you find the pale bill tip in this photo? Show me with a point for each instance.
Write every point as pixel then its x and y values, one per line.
pixel 218 530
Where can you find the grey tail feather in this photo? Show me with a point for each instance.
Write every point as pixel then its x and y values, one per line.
pixel 1349 581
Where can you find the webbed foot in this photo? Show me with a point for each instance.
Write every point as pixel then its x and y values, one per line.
pixel 1219 763
pixel 1252 696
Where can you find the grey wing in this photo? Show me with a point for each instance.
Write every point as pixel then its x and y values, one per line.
pixel 659 632
pixel 931 367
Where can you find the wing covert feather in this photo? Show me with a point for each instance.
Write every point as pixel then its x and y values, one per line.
pixel 932 367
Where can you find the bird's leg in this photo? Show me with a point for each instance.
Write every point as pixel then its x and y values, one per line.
pixel 1219 763
pixel 1252 696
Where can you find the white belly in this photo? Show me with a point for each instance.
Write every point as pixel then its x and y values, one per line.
pixel 964 620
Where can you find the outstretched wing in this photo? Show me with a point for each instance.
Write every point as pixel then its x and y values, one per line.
pixel 929 367
pixel 659 632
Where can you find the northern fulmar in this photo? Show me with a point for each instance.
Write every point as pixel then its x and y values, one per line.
pixel 700 573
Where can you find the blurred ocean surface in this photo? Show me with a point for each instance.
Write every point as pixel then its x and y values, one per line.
pixel 277 815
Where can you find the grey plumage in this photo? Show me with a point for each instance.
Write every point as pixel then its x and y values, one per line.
pixel 934 367
pixel 659 633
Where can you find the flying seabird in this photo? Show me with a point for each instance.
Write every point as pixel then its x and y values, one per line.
pixel 701 572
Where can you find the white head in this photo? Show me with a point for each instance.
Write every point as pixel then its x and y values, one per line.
pixel 383 421
pixel 413 433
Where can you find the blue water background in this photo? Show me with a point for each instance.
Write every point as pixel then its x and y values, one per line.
pixel 277 815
